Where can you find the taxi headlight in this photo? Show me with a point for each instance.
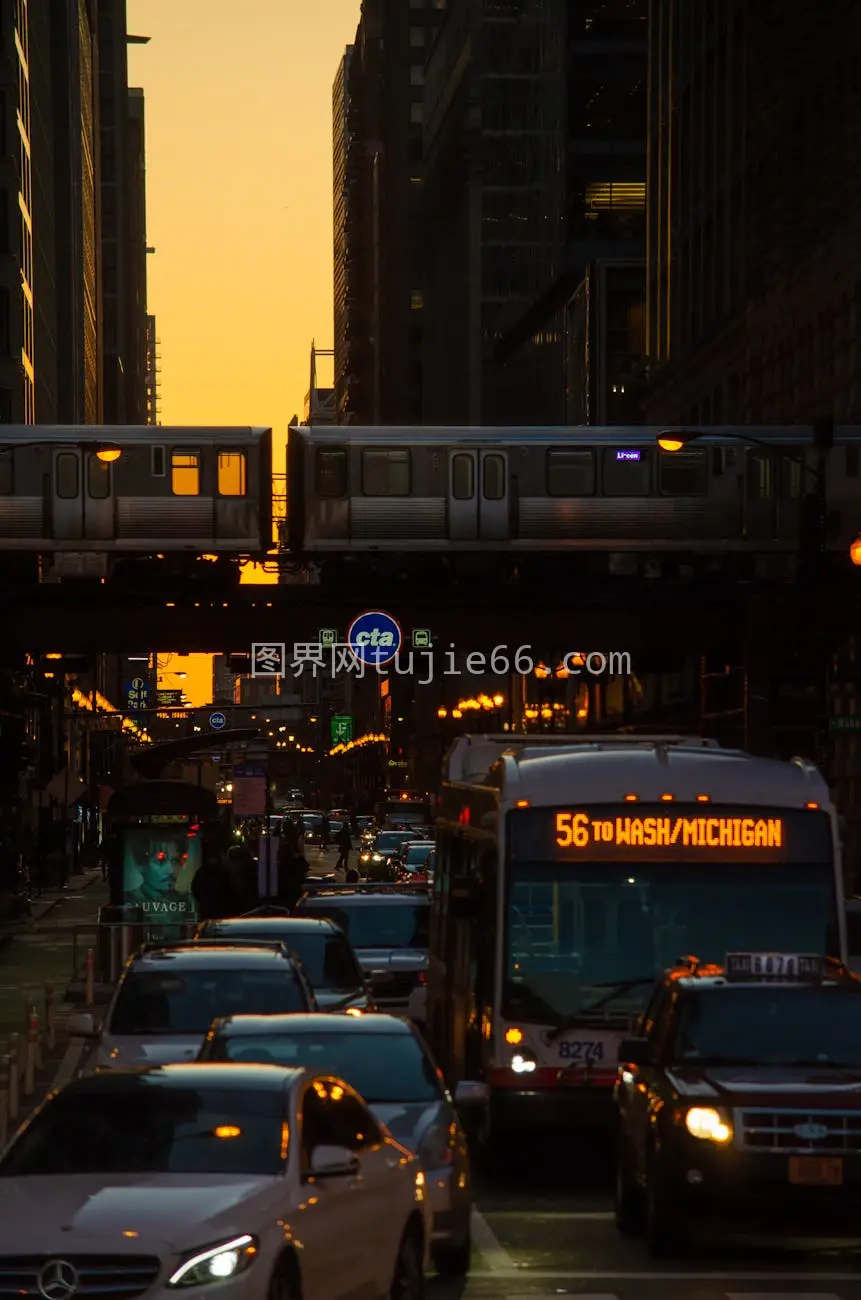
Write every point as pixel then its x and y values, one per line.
pixel 216 1263
pixel 377 857
pixel 708 1124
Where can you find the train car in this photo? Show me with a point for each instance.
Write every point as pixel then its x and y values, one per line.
pixel 92 499
pixel 544 492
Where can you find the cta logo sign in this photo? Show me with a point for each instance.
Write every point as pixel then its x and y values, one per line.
pixel 375 638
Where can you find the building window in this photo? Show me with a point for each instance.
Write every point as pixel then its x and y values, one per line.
pixel 684 473
pixel 623 477
pixel 494 478
pixel 416 114
pixel 7 473
pixel 331 472
pixel 571 473
pixel 417 75
pixel 232 474
pixel 462 477
pixel 385 473
pixel 98 478
pixel 417 300
pixel 67 475
pixel 185 473
pixel 417 37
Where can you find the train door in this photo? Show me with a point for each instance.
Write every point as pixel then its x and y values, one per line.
pixel 67 496
pixel 478 496
pixel 82 503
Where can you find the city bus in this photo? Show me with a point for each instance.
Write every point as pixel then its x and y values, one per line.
pixel 571 872
pixel 403 808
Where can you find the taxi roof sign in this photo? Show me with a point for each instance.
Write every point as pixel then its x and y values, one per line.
pixel 787 967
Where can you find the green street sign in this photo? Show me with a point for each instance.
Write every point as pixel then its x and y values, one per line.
pixel 342 730
pixel 422 639
pixel 328 637
pixel 849 722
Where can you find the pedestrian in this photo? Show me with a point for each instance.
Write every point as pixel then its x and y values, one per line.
pixel 292 870
pixel 345 844
pixel 325 833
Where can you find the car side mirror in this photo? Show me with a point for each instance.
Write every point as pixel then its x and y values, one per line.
pixel 81 1025
pixel 333 1162
pixel 468 1094
pixel 635 1051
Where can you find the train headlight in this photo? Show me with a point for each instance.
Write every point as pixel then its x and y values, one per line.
pixel 708 1124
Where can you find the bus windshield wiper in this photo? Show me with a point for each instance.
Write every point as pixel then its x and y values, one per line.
pixel 615 990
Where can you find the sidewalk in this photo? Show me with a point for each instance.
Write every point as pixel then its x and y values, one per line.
pixel 36 961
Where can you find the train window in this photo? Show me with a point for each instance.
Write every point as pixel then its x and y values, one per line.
pixel 462 476
pixel 66 470
pixel 331 472
pixel 792 478
pixel 623 477
pixel 385 473
pixel 684 473
pixel 157 462
pixel 231 473
pixel 571 472
pixel 185 473
pixel 7 476
pixel 494 478
pixel 98 478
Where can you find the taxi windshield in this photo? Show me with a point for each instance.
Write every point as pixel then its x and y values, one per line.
pixel 770 1025
pixel 600 932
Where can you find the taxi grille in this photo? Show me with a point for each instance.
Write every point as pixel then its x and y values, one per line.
pixel 108 1277
pixel 778 1131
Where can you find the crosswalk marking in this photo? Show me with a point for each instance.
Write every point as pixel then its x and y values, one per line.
pixel 490 1247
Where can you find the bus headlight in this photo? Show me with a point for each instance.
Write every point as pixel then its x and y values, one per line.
pixel 708 1124
pixel 524 1061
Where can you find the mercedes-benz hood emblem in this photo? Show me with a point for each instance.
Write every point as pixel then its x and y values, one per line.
pixel 58 1280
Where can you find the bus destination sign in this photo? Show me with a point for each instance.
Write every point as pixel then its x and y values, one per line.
pixel 661 834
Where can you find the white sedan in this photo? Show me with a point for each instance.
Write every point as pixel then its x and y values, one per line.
pixel 246 1182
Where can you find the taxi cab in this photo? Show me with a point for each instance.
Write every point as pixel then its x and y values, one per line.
pixel 739 1106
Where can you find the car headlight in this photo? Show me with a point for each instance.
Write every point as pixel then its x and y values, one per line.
pixel 366 857
pixel 216 1263
pixel 708 1124
pixel 377 857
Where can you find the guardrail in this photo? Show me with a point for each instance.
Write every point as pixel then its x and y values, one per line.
pixel 22 1056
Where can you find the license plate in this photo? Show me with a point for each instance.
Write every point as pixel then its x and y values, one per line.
pixel 585 1051
pixel 814 1171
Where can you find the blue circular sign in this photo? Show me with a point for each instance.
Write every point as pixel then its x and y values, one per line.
pixel 375 638
pixel 217 721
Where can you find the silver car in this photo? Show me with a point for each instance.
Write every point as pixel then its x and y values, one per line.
pixel 167 998
pixel 387 1063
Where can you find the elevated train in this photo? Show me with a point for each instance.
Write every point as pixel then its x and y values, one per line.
pixel 95 500
pixel 419 498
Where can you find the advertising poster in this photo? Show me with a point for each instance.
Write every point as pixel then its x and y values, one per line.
pixel 159 865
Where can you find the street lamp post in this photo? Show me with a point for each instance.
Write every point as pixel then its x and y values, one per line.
pixel 814 529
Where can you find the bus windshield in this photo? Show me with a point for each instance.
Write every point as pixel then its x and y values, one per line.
pixel 579 935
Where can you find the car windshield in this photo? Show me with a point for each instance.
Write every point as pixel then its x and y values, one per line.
pixel 376 925
pixel 417 855
pixel 144 1127
pixel 381 1067
pixel 391 841
pixel 158 1002
pixel 574 934
pixel 770 1025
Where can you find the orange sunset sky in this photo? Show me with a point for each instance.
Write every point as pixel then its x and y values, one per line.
pixel 239 208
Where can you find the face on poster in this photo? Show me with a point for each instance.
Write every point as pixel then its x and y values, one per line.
pixel 159 865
